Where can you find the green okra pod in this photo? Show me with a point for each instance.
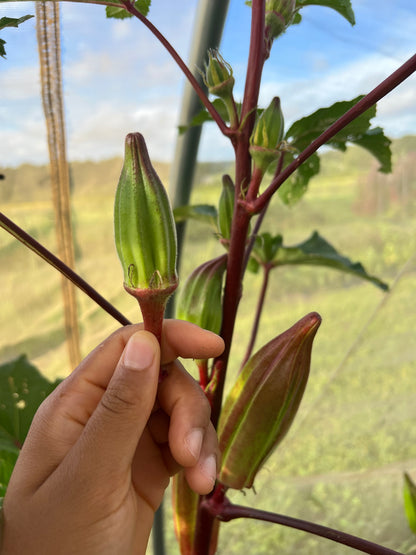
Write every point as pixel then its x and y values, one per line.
pixel 145 233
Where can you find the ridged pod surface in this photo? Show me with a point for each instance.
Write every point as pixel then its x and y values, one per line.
pixel 145 234
pixel 263 402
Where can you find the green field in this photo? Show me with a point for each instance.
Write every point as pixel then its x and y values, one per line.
pixel 342 463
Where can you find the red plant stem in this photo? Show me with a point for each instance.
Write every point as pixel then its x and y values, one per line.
pixel 153 319
pixel 188 74
pixel 238 239
pixel 232 296
pixel 227 511
pixel 256 58
pixel 259 309
pixel 260 218
pixel 203 372
pixel 241 220
pixel 152 305
pixel 390 83
pixel 255 183
pixel 55 262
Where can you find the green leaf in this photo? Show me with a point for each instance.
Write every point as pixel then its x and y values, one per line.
pixel 343 7
pixel 316 251
pixel 10 22
pixel 296 185
pixel 253 266
pixel 201 212
pixel 378 145
pixel 7 462
pixel 266 247
pixel 22 389
pixel 305 130
pixel 121 13
pixel 409 495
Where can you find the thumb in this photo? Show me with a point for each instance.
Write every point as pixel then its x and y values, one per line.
pixel 114 429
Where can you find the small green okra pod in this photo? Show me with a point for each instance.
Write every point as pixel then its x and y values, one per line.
pixel 145 232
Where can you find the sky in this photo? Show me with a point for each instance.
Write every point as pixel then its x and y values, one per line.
pixel 118 78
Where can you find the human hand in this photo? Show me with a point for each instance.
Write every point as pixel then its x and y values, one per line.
pixel 103 445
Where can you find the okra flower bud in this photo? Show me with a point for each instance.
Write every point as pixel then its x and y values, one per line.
pixel 200 300
pixel 263 402
pixel 145 234
pixel 267 135
pixel 279 15
pixel 218 76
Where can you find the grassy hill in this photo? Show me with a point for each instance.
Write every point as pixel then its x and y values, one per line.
pixel 29 182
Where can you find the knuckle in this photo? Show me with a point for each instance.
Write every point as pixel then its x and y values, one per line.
pixel 119 398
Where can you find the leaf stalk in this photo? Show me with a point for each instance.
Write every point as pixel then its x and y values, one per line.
pixel 384 88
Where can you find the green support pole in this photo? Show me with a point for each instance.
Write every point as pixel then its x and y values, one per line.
pixel 208 29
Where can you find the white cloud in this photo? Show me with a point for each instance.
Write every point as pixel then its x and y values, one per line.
pixel 214 146
pixel 15 9
pixel 302 97
pixel 118 79
pixel 26 143
pixel 101 133
pixel 19 83
pixel 121 30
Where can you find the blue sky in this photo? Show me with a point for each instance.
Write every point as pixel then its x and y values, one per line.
pixel 117 78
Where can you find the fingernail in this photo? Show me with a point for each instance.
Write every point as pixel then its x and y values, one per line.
pixel 193 442
pixel 138 353
pixel 209 468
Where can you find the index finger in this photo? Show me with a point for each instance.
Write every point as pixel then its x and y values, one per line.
pixel 179 339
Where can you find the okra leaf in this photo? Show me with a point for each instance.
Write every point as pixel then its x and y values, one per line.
pixel 305 130
pixel 343 7
pixel 22 389
pixel 266 247
pixel 296 185
pixel 121 13
pixel 10 22
pixel 13 21
pixel 205 213
pixel 378 145
pixel 7 462
pixel 315 251
pixel 409 495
